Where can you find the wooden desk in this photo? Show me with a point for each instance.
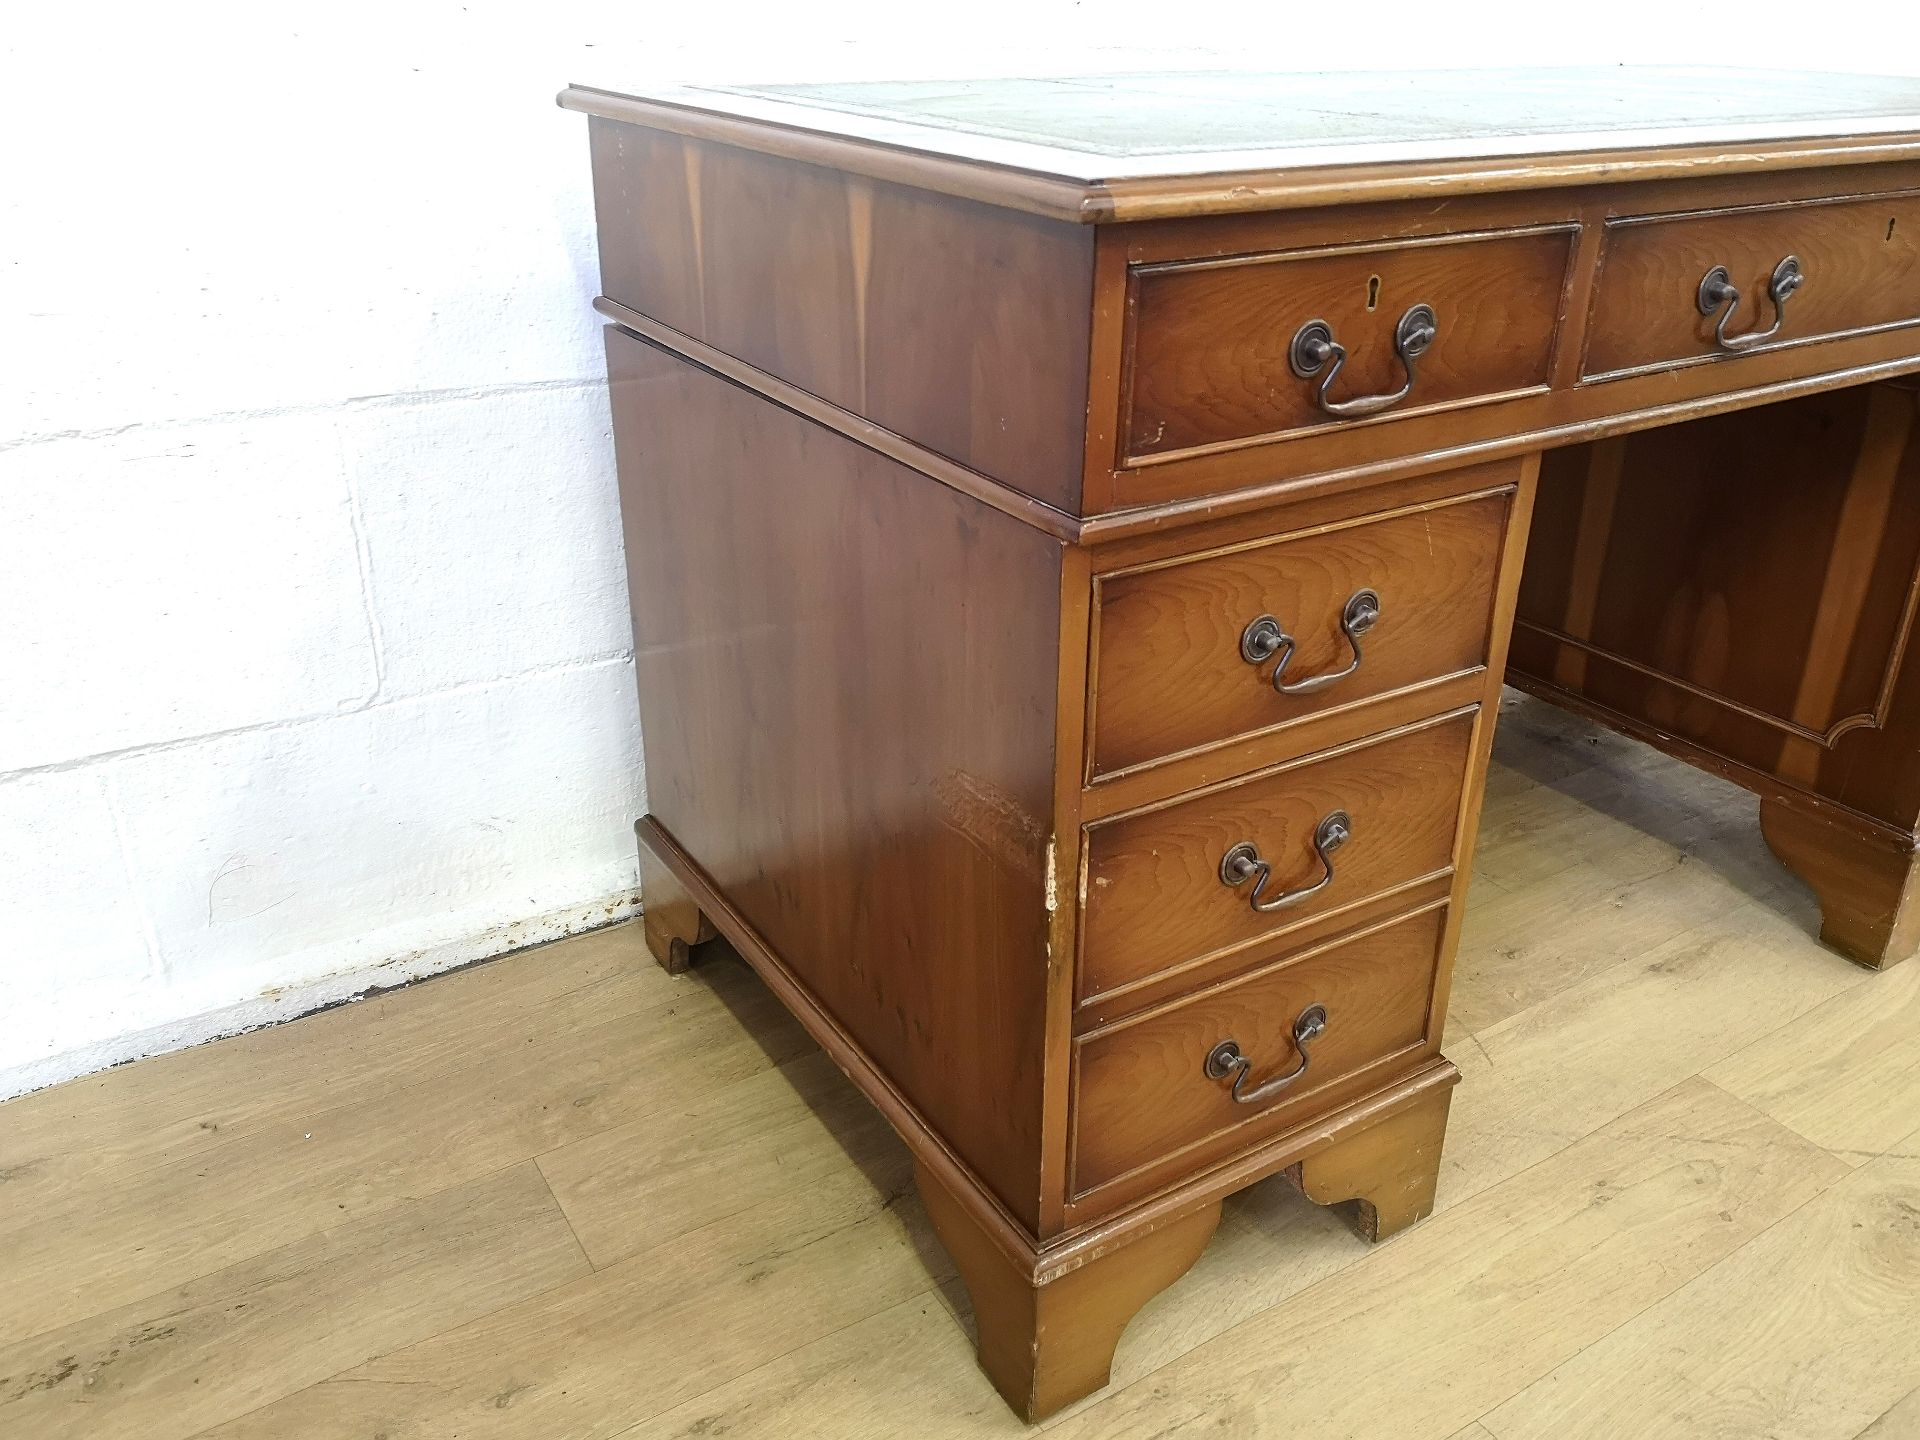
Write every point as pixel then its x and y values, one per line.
pixel 1076 530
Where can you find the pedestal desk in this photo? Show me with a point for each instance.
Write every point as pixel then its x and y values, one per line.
pixel 1078 530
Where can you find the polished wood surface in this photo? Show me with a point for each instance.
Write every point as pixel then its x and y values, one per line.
pixel 1709 1242
pixel 672 921
pixel 962 325
pixel 1155 898
pixel 1210 343
pixel 1743 591
pixel 1169 674
pixel 1047 1341
pixel 1387 1173
pixel 1867 881
pixel 1142 1084
pixel 946 517
pixel 861 619
pixel 1861 258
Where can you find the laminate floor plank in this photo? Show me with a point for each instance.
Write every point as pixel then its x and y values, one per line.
pixel 596 1357
pixel 720 1149
pixel 1846 1074
pixel 172 1106
pixel 1558 1071
pixel 169 1366
pixel 364 1224
pixel 1272 1243
pixel 1902 1422
pixel 908 1370
pixel 1439 1326
pixel 1807 1333
pixel 1531 942
pixel 114 1238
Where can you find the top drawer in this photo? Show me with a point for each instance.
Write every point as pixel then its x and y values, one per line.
pixel 1858 260
pixel 1222 355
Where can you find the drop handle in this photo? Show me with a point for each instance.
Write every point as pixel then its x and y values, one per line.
pixel 1226 1059
pixel 1314 350
pixel 1266 637
pixel 1718 293
pixel 1243 863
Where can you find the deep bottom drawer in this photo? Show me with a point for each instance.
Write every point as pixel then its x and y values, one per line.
pixel 1143 1090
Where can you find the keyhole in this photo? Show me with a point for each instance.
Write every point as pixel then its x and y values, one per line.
pixel 1890 225
pixel 1373 292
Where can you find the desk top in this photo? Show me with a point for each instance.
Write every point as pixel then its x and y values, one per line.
pixel 1129 146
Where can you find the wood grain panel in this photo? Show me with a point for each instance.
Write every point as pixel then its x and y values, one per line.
pixel 1170 677
pixel 1154 898
pixel 1712 560
pixel 1746 584
pixel 1861 258
pixel 959 325
pixel 1211 338
pixel 817 630
pixel 1142 1089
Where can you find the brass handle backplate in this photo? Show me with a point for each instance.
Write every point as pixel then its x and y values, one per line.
pixel 1265 637
pixel 1226 1059
pixel 1243 863
pixel 1315 350
pixel 1717 291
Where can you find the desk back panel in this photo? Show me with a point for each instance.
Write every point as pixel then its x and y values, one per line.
pixel 1746 585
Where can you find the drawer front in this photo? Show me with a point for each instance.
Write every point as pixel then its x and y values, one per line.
pixel 1860 259
pixel 1174 669
pixel 1156 897
pixel 1142 1087
pixel 1211 359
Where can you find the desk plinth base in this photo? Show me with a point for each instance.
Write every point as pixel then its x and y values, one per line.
pixel 1048 1315
pixel 1046 1340
pixel 1865 876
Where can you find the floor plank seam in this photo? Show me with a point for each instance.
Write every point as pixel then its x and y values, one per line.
pixel 1866 1431
pixel 560 1205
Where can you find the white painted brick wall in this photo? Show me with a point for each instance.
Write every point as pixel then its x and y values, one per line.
pixel 313 666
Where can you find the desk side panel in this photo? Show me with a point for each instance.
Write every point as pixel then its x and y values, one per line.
pixel 960 325
pixel 847 692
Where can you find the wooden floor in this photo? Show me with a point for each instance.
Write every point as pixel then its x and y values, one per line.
pixel 562 1195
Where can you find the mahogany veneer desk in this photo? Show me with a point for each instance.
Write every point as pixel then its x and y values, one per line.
pixel 1076 533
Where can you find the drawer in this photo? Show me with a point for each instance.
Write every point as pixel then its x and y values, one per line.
pixel 1211 359
pixel 1859 258
pixel 1157 895
pixel 1175 642
pixel 1143 1090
